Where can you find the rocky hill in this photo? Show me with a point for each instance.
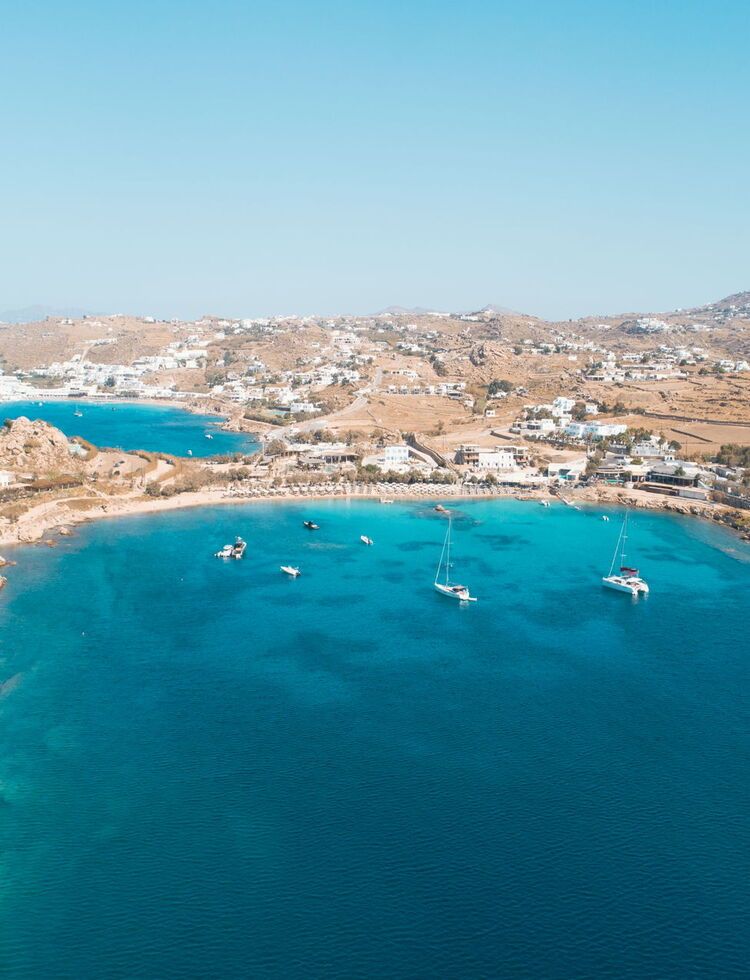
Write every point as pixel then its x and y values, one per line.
pixel 35 447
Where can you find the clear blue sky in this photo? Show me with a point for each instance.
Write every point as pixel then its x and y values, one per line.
pixel 556 157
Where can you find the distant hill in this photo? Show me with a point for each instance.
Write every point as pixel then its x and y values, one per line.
pixel 32 314
pixel 736 299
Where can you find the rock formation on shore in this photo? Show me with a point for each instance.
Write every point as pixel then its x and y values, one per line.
pixel 36 447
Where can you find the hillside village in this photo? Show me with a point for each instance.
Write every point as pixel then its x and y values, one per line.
pixel 659 404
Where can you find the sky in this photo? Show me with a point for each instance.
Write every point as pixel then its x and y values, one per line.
pixel 242 158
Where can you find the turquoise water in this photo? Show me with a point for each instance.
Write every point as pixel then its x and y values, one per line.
pixel 209 770
pixel 128 425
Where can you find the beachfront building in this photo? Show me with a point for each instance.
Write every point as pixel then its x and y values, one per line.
pixel 398 454
pixel 487 459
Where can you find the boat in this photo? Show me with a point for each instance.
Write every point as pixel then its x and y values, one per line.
pixel 447 588
pixel 440 509
pixel 290 570
pixel 386 500
pixel 365 540
pixel 236 550
pixel 626 579
pixel 208 435
pixel 190 452
pixel 604 517
pixel 544 503
pixel 78 413
pixel 311 525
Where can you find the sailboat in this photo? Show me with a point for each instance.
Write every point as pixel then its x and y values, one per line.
pixel 627 578
pixel 448 588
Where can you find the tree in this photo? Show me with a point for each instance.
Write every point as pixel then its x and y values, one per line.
pixel 501 385
pixel 275 447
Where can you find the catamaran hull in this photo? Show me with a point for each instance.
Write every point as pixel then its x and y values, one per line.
pixel 631 586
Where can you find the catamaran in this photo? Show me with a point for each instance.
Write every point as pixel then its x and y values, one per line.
pixel 451 589
pixel 627 578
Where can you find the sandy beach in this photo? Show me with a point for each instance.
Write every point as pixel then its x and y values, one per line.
pixel 51 518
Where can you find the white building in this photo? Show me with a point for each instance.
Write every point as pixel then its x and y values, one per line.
pixel 396 454
pixel 594 430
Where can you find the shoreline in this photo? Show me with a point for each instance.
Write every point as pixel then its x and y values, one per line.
pixel 220 414
pixel 57 517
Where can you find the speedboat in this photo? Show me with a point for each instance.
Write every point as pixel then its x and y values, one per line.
pixel 290 570
pixel 236 550
pixel 208 435
pixel 365 540
pixel 386 500
pixel 440 509
pixel 544 503
pixel 311 525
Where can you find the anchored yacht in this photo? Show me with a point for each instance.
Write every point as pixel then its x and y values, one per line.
pixel 626 579
pixel 451 589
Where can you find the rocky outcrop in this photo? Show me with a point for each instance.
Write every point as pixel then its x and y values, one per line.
pixel 36 447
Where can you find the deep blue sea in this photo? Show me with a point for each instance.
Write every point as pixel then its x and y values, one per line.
pixel 129 425
pixel 210 770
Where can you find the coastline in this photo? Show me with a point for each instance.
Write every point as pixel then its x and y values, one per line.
pixel 56 517
pixel 225 418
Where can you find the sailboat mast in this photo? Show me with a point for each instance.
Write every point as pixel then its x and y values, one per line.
pixel 617 549
pixel 448 557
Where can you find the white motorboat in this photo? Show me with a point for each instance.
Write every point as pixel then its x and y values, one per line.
pixel 236 550
pixel 78 413
pixel 365 540
pixel 386 500
pixel 544 503
pixel 311 525
pixel 447 588
pixel 626 579
pixel 208 435
pixel 290 570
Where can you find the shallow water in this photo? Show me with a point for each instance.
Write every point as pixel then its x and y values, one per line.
pixel 210 770
pixel 128 425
